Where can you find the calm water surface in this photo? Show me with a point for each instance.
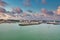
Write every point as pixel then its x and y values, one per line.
pixel 33 32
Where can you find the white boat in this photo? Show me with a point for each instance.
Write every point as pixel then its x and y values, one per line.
pixel 29 23
pixel 51 23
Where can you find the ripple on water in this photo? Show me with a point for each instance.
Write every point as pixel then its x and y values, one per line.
pixel 33 32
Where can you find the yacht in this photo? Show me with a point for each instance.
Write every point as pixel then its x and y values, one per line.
pixel 26 23
pixel 51 23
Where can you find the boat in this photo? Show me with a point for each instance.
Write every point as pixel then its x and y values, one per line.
pixel 29 23
pixel 51 23
pixel 57 23
pixel 26 24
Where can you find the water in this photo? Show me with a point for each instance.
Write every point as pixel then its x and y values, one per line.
pixel 33 32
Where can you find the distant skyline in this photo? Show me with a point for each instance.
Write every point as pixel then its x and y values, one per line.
pixel 35 6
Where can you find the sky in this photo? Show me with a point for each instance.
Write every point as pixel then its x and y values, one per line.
pixel 28 7
pixel 35 5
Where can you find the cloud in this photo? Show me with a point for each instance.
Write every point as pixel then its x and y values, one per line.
pixel 43 10
pixel 27 3
pixel 44 1
pixel 30 11
pixel 50 13
pixel 17 10
pixel 2 10
pixel 46 12
pixel 2 3
pixel 58 10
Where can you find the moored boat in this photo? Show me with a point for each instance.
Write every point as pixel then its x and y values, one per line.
pixel 51 23
pixel 57 23
pixel 29 23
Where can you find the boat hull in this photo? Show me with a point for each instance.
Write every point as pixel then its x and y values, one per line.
pixel 28 24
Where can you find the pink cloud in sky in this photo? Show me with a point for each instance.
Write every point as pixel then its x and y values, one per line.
pixel 27 3
pixel 2 3
pixel 2 10
pixel 44 1
pixel 58 10
pixel 44 11
pixel 17 10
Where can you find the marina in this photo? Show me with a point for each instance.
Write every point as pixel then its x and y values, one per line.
pixel 30 22
pixel 29 19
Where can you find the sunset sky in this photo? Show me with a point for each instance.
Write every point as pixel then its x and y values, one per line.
pixel 35 5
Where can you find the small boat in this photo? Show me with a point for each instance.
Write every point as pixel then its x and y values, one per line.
pixel 51 23
pixel 57 23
